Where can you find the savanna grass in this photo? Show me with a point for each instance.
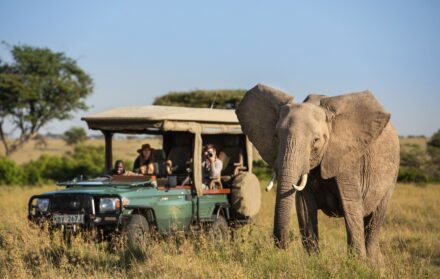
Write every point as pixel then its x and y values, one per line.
pixel 409 240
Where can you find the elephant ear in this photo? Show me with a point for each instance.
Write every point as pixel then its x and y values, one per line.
pixel 356 120
pixel 258 116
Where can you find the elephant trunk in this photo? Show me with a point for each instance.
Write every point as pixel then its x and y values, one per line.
pixel 294 168
pixel 283 210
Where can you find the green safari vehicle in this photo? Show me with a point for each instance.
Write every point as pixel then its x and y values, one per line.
pixel 161 203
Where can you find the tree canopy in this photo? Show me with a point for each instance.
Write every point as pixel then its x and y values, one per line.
pixel 224 99
pixel 75 135
pixel 435 140
pixel 38 86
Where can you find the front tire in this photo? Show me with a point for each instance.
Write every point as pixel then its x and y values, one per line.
pixel 137 232
pixel 219 230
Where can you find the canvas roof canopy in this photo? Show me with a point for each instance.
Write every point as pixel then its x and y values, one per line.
pixel 165 118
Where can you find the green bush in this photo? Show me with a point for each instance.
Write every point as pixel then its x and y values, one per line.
pixel 410 174
pixel 262 170
pixel 85 160
pixel 10 173
pixel 434 141
pixel 46 169
pixel 415 165
pixel 75 135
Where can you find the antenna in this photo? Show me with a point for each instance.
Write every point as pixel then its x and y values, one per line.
pixel 213 101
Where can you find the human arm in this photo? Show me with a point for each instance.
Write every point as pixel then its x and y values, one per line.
pixel 216 169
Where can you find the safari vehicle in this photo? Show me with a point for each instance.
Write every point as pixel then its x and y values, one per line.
pixel 141 205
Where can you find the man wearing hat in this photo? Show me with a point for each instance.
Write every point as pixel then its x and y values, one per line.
pixel 144 163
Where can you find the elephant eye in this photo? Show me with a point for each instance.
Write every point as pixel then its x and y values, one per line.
pixel 315 140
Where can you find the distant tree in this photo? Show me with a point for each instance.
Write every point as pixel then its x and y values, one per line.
pixel 224 99
pixel 75 135
pixel 38 86
pixel 434 153
pixel 435 140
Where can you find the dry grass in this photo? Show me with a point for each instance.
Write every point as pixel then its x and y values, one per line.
pixel 410 244
pixel 410 240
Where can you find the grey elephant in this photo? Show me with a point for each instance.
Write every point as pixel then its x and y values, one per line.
pixel 339 154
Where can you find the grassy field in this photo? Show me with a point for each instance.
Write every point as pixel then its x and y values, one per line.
pixel 410 239
pixel 410 243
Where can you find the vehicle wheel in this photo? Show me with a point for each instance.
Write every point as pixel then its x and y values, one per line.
pixel 219 230
pixel 137 232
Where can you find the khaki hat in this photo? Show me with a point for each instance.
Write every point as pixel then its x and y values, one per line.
pixel 144 146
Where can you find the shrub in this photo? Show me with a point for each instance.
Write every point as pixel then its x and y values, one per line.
pixel 262 170
pixel 10 173
pixel 410 174
pixel 85 160
pixel 434 153
pixel 45 169
pixel 414 162
pixel 75 135
pixel 435 140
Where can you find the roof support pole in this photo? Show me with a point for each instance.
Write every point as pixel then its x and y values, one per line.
pixel 197 165
pixel 108 151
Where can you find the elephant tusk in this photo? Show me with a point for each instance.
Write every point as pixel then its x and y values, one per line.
pixel 271 182
pixel 303 183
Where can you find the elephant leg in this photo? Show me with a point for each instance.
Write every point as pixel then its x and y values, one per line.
pixel 307 213
pixel 373 223
pixel 352 204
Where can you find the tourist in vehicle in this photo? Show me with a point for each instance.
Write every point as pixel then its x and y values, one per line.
pixel 144 163
pixel 212 166
pixel 119 169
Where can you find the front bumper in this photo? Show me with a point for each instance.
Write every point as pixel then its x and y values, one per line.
pixel 77 211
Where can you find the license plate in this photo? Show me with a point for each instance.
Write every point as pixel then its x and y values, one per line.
pixel 68 219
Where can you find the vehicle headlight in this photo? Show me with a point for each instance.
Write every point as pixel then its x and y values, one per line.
pixel 43 205
pixel 109 204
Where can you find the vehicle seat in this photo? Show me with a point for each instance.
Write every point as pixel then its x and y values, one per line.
pixel 180 155
pixel 159 162
pixel 232 158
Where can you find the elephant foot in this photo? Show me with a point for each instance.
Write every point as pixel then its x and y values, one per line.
pixel 282 239
pixel 375 257
pixel 310 244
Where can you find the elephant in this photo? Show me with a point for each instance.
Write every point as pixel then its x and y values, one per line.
pixel 338 154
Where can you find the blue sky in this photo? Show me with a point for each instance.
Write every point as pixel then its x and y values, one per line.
pixel 138 50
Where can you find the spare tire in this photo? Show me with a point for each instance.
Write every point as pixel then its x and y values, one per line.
pixel 246 194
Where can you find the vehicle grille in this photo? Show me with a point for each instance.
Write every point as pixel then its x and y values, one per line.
pixel 68 204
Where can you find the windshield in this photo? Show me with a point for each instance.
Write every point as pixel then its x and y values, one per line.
pixel 109 180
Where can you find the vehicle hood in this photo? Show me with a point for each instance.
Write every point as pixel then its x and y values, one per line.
pixel 97 190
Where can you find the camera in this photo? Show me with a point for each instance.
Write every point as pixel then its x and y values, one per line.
pixel 210 154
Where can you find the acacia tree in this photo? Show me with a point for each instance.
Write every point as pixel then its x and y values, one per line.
pixel 75 135
pixel 38 86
